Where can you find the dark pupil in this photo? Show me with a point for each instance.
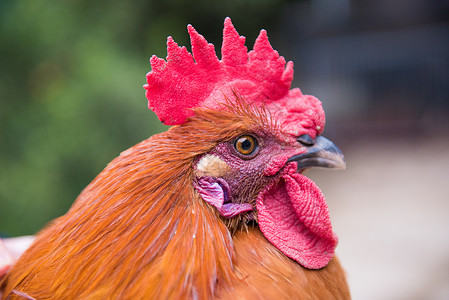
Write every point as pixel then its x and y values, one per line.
pixel 246 144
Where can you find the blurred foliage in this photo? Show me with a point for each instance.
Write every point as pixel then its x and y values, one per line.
pixel 71 96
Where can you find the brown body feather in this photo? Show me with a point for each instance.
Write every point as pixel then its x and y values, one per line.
pixel 141 231
pixel 266 273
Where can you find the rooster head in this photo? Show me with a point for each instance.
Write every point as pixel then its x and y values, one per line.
pixel 253 173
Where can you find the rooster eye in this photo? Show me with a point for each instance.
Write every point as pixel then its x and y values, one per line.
pixel 245 144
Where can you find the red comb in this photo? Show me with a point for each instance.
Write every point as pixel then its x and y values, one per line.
pixel 185 81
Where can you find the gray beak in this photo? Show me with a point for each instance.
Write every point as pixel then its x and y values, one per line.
pixel 321 153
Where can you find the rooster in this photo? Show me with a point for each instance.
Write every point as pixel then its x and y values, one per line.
pixel 214 208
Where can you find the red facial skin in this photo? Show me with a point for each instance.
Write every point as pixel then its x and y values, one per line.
pixel 289 207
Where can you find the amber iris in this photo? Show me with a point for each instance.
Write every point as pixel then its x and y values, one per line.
pixel 245 144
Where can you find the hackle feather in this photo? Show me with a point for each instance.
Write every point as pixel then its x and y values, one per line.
pixel 127 231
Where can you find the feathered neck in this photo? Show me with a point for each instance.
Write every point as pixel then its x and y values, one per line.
pixel 139 230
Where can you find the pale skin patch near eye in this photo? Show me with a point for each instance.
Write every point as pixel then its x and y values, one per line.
pixel 211 165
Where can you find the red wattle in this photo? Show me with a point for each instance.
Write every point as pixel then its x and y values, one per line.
pixel 294 217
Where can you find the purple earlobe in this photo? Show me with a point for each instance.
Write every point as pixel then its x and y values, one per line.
pixel 215 191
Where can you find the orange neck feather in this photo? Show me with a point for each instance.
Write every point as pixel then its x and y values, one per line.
pixel 140 230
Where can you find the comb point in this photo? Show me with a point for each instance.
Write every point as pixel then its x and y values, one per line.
pixel 203 52
pixel 233 50
pixel 262 47
pixel 287 75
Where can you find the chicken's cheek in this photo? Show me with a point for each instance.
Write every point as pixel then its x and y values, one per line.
pixel 294 217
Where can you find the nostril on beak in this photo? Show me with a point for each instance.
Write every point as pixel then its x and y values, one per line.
pixel 306 140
